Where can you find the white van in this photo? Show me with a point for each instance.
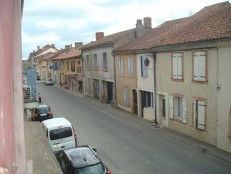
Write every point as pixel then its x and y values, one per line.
pixel 60 133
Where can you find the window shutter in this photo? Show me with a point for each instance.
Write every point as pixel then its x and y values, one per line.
pixel 171 107
pixel 129 66
pixel 122 66
pixel 179 67
pixel 201 115
pixel 201 65
pixel 141 66
pixel 184 110
pixel 174 72
pixel 125 96
pixel 196 69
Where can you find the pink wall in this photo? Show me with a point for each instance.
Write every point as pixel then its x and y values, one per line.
pixel 12 150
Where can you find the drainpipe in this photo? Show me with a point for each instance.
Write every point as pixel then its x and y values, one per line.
pixel 115 79
pixel 154 73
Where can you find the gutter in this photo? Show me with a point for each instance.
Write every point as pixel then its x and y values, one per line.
pixel 155 92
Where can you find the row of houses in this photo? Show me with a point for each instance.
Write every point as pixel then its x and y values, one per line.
pixel 176 74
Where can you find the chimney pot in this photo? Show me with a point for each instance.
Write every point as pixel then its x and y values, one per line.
pixel 148 23
pixel 78 44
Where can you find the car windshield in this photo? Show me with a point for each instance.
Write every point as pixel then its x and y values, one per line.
pixel 94 169
pixel 43 110
pixel 60 133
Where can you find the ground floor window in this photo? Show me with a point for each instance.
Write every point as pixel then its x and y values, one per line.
pixel 177 108
pixel 199 114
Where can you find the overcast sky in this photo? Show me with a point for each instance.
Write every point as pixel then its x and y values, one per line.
pixel 63 22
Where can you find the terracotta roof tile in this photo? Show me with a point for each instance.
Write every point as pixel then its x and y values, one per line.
pixel 110 39
pixel 69 54
pixel 211 23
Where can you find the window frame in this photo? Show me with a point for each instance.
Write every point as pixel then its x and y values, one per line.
pixel 203 107
pixel 88 62
pixel 144 69
pixel 95 56
pixel 121 66
pixel 105 62
pixel 130 67
pixel 72 65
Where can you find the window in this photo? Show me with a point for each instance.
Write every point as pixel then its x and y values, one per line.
pixel 126 100
pixel 144 69
pixel 95 62
pixel 68 66
pixel 121 66
pixel 72 66
pixel 177 68
pixel 177 108
pixel 88 61
pixel 147 99
pixel 105 61
pixel 199 114
pixel 199 66
pixel 130 67
pixel 56 66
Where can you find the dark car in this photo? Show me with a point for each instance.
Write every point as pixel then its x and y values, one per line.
pixel 42 112
pixel 81 160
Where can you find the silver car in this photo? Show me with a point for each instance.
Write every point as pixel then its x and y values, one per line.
pixel 49 81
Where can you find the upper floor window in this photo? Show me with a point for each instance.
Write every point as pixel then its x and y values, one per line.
pixel 144 68
pixel 72 66
pixel 105 61
pixel 200 66
pixel 177 66
pixel 130 67
pixel 95 62
pixel 199 114
pixel 177 108
pixel 68 66
pixel 88 61
pixel 121 66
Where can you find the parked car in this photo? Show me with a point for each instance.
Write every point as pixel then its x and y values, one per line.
pixel 42 112
pixel 81 160
pixel 60 133
pixel 49 81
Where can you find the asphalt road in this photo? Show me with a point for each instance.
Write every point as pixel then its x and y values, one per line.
pixel 128 144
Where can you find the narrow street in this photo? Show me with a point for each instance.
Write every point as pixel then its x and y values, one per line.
pixel 126 143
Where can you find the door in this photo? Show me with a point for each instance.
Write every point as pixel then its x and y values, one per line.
pixel 162 110
pixel 135 109
pixel 109 92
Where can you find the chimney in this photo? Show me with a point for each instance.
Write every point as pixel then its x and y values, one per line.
pixel 78 44
pixel 140 30
pixel 53 45
pixel 67 48
pixel 38 47
pixel 148 23
pixel 99 35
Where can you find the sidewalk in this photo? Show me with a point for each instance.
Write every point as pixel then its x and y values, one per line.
pixel 182 139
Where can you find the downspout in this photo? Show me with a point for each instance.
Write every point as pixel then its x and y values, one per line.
pixel 154 71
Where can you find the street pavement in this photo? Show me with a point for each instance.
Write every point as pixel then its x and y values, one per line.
pixel 129 144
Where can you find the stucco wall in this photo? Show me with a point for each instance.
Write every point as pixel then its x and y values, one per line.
pixel 125 82
pixel 191 90
pixel 224 97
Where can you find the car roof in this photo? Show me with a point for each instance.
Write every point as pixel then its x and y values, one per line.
pixel 56 122
pixel 82 156
pixel 42 106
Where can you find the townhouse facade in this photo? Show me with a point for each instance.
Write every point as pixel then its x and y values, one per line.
pixel 99 63
pixel 182 75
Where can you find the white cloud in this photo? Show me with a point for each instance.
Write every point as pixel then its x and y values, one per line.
pixel 59 22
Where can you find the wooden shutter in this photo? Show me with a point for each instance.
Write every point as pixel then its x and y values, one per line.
pixel 126 96
pixel 171 107
pixel 179 67
pixel 201 66
pixel 194 113
pixel 196 68
pixel 141 65
pixel 184 110
pixel 174 67
pixel 131 67
pixel 201 115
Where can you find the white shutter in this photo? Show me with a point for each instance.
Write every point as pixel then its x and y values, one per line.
pixel 196 68
pixel 171 107
pixel 122 66
pixel 184 110
pixel 174 66
pixel 201 115
pixel 131 67
pixel 201 64
pixel 179 67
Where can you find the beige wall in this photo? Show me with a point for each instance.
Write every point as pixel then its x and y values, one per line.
pixel 190 90
pixel 224 97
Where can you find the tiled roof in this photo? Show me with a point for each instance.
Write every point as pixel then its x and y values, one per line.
pixel 211 23
pixel 110 39
pixel 68 54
